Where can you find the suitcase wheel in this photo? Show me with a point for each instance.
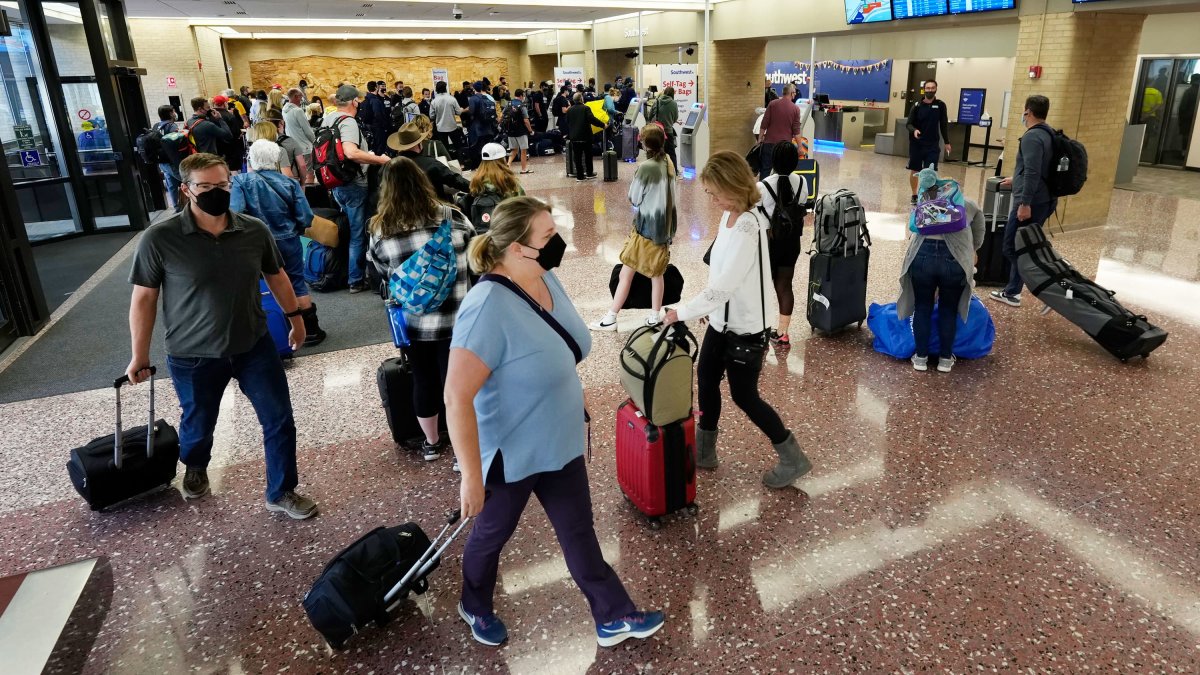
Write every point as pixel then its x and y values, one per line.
pixel 693 509
pixel 655 524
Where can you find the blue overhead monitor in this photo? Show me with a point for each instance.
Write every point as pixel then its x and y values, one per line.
pixel 971 6
pixel 970 106
pixel 911 9
pixel 868 11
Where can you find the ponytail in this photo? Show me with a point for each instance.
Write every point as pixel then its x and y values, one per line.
pixel 482 255
pixel 510 223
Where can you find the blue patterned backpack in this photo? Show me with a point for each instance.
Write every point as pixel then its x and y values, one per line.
pixel 421 284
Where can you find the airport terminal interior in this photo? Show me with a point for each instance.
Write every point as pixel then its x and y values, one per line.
pixel 1029 509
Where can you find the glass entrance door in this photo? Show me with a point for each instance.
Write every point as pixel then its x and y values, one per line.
pixel 1166 103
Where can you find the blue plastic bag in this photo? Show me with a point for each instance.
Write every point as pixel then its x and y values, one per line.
pixel 894 336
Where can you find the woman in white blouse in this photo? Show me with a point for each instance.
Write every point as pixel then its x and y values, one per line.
pixel 735 303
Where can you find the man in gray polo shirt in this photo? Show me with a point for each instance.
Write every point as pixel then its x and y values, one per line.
pixel 205 262
pixel 352 198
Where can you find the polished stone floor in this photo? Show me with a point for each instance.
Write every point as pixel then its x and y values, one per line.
pixel 1032 511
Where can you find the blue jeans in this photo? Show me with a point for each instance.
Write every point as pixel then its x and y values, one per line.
pixel 172 181
pixel 935 270
pixel 1038 216
pixel 200 384
pixel 292 251
pixel 766 160
pixel 352 199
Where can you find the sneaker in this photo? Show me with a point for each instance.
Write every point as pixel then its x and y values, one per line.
pixel 946 363
pixel 358 287
pixel 195 483
pixel 456 468
pixel 488 630
pixel 914 200
pixel 636 625
pixel 609 322
pixel 1001 296
pixel 920 363
pixel 294 505
pixel 431 451
pixel 652 319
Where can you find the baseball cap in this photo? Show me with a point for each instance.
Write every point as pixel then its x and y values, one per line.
pixel 346 93
pixel 494 151
pixel 220 100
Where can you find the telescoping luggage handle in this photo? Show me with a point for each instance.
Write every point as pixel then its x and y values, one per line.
pixel 430 556
pixel 117 438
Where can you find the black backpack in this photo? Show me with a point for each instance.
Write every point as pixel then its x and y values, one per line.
pixel 489 113
pixel 513 123
pixel 149 146
pixel 332 167
pixel 481 210
pixel 1068 164
pixel 788 220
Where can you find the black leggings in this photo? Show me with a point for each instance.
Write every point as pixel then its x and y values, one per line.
pixel 743 387
pixel 782 277
pixel 430 360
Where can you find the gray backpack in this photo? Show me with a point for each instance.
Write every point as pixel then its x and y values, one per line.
pixel 840 225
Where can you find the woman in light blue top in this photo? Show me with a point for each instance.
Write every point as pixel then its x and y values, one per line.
pixel 515 408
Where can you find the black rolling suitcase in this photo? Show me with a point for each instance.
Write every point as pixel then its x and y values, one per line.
pixel 610 166
pixel 367 580
pixel 570 158
pixel 394 378
pixel 125 464
pixel 837 290
pixel 993 269
pixel 629 143
pixel 837 270
pixel 1082 301
pixel 318 197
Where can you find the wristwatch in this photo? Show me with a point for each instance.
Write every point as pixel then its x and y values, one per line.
pixel 298 312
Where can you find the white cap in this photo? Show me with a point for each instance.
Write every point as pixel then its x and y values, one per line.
pixel 494 151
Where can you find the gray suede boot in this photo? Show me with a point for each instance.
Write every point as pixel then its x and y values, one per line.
pixel 706 448
pixel 793 463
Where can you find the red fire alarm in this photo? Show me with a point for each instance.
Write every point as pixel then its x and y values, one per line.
pixel 1035 72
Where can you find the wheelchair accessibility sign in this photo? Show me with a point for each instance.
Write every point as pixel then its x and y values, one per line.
pixel 30 158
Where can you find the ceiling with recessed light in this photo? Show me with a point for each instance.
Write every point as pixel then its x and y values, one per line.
pixel 247 18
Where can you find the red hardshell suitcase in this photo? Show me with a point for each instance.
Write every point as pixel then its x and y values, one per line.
pixel 656 466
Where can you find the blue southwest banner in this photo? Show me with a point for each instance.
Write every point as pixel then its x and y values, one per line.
pixel 856 80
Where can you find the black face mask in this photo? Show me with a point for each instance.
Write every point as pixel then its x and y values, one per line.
pixel 551 255
pixel 930 95
pixel 215 202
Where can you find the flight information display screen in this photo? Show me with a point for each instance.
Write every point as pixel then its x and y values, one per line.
pixel 908 9
pixel 967 6
pixel 868 11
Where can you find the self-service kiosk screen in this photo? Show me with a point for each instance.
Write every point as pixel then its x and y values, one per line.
pixel 692 118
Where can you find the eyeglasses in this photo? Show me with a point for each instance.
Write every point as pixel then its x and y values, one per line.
pixel 205 187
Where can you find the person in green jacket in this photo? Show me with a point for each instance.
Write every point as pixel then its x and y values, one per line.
pixel 667 113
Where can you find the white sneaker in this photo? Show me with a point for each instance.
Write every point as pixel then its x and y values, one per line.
pixel 945 365
pixel 609 322
pixel 653 319
pixel 920 363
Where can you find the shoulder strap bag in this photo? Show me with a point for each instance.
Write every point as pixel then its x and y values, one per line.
pixel 748 350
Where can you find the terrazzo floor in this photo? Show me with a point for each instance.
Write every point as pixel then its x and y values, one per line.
pixel 1031 511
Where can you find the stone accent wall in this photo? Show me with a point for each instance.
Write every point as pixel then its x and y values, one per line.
pixel 1088 60
pixel 739 66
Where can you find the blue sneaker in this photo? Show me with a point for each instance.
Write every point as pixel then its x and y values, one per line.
pixel 636 625
pixel 488 630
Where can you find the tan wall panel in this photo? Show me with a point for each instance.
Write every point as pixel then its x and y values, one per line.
pixel 326 62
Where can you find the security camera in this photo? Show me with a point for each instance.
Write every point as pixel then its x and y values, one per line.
pixel 457 13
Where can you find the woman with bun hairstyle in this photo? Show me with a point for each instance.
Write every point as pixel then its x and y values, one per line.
pixel 515 408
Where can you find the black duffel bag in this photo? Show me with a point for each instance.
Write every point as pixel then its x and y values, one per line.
pixel 639 290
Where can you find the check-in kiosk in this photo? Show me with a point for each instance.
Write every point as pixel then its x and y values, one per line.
pixel 693 140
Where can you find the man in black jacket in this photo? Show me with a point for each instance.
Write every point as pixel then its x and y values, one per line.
pixel 580 121
pixel 206 127
pixel 408 141
pixel 559 107
pixel 925 121
pixel 373 114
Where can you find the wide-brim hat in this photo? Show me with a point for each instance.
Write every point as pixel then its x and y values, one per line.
pixel 408 136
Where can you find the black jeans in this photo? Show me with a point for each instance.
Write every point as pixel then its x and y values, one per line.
pixel 743 388
pixel 670 150
pixel 430 360
pixel 581 153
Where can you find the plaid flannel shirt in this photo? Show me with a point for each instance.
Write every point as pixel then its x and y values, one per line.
pixel 388 254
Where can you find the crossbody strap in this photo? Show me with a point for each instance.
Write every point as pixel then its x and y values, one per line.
pixel 540 311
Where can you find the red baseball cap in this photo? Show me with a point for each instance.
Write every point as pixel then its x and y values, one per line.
pixel 220 100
